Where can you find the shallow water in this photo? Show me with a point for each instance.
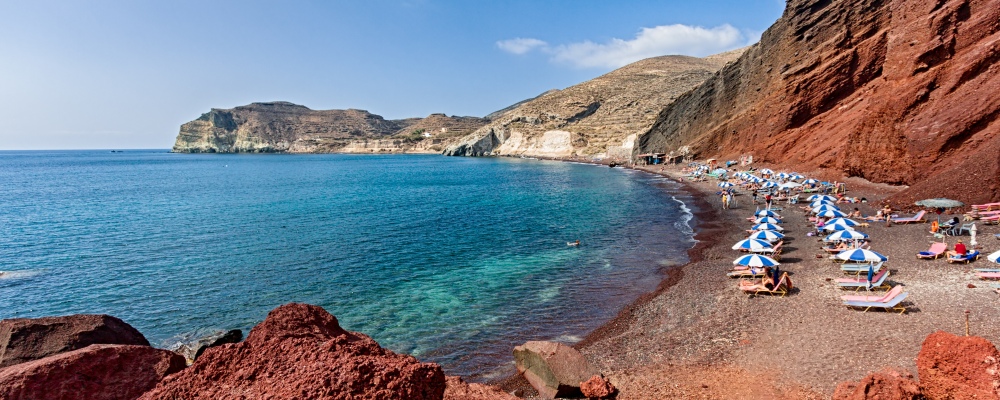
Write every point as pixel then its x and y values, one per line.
pixel 452 260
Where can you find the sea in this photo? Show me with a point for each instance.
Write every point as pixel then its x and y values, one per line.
pixel 453 260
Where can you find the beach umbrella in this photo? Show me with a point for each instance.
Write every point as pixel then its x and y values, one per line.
pixel 767 220
pixel 725 184
pixel 824 207
pixel 820 197
pixel 766 213
pixel 766 171
pixel 769 185
pixel 831 213
pixel 789 185
pixel 797 177
pixel 755 260
pixel 767 227
pixel 837 227
pixel 770 236
pixel 860 255
pixel 995 257
pixel 940 202
pixel 810 181
pixel 816 204
pixel 784 175
pixel 843 221
pixel 751 244
pixel 845 235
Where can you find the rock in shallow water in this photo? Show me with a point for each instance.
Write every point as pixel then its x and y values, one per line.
pixel 26 339
pixel 554 369
pixel 301 352
pixel 96 372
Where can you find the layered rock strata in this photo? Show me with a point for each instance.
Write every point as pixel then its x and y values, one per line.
pixel 594 117
pixel 894 91
pixel 280 127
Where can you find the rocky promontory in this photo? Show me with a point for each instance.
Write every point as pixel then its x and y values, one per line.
pixel 898 92
pixel 282 127
pixel 599 117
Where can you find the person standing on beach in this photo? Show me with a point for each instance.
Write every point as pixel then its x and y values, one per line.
pixel 725 200
pixel 754 194
pixel 767 198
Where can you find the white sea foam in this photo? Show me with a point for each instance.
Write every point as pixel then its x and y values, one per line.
pixel 27 273
pixel 567 339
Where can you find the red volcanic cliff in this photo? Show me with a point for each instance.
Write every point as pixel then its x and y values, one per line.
pixel 895 91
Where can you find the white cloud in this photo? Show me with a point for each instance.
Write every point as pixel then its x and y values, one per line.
pixel 520 45
pixel 648 42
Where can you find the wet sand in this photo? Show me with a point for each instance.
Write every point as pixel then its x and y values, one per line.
pixel 698 336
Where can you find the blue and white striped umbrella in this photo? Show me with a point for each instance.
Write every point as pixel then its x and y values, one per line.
pixel 725 184
pixel 824 207
pixel 831 213
pixel 860 255
pixel 837 227
pixel 843 221
pixel 765 213
pixel 751 244
pixel 810 181
pixel 995 257
pixel 766 171
pixel 818 203
pixel 769 185
pixel 766 220
pixel 843 235
pixel 797 177
pixel 755 260
pixel 770 236
pixel 820 197
pixel 767 227
pixel 784 175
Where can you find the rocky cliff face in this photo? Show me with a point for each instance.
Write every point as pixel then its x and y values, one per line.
pixel 895 91
pixel 593 117
pixel 286 127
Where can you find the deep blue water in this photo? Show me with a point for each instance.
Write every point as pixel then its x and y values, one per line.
pixel 452 260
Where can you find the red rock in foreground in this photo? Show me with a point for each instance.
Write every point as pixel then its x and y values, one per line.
pixel 958 367
pixel 301 352
pixel 597 387
pixel 460 390
pixel 884 385
pixel 97 372
pixel 26 339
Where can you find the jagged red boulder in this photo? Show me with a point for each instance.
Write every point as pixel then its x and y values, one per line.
pixel 958 367
pixel 554 369
pixel 26 339
pixel 597 387
pixel 887 384
pixel 96 372
pixel 458 389
pixel 301 352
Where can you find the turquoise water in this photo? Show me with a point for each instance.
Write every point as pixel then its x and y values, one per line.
pixel 453 260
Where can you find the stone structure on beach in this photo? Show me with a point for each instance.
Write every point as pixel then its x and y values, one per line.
pixel 280 127
pixel 898 92
pixel 594 117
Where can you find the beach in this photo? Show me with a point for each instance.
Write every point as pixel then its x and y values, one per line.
pixel 698 336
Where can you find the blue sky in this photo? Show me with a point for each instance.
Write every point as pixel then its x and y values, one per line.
pixel 126 74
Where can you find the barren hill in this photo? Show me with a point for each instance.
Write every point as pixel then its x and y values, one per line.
pixel 591 117
pixel 897 91
pixel 287 127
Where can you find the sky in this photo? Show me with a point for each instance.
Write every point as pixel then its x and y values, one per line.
pixel 126 74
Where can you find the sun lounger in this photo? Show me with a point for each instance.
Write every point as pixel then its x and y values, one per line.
pixel 893 303
pixel 936 250
pixel 861 267
pixel 987 270
pixel 860 282
pixel 744 272
pixel 988 275
pixel 773 252
pixel 752 288
pixel 881 298
pixel 916 218
pixel 986 207
pixel 967 258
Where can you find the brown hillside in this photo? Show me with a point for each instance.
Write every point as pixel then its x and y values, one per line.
pixel 588 118
pixel 892 91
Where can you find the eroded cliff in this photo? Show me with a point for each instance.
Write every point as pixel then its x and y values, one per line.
pixel 894 91
pixel 594 117
pixel 278 127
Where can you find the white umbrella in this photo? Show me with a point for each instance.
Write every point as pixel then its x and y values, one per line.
pixel 751 244
pixel 789 185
